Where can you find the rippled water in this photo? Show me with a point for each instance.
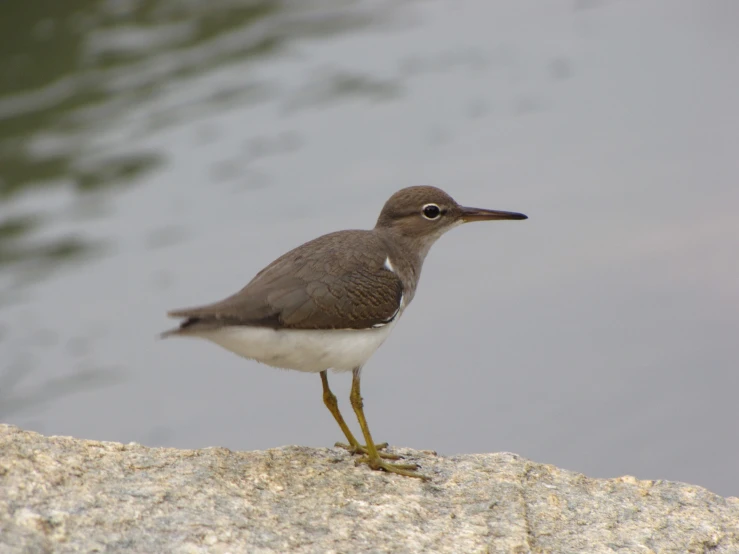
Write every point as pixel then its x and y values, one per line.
pixel 157 154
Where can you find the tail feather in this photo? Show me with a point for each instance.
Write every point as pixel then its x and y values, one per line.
pixel 192 326
pixel 169 333
pixel 183 312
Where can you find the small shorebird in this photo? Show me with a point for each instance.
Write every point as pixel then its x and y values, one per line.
pixel 331 302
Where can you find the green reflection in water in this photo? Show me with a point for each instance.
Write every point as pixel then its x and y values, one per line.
pixel 71 71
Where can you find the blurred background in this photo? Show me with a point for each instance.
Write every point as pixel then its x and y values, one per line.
pixel 156 154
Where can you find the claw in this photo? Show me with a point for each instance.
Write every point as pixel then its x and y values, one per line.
pixel 359 449
pixel 408 470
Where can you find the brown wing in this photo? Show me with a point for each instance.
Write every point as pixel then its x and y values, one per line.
pixel 337 281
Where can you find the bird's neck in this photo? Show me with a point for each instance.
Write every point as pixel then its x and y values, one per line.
pixel 407 255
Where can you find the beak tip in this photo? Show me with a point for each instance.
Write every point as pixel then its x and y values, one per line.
pixel 476 214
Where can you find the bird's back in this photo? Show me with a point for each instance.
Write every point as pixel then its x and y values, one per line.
pixel 337 281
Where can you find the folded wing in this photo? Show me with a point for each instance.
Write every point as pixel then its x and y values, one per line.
pixel 326 286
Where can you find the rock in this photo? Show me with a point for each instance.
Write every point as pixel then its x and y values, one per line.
pixel 60 494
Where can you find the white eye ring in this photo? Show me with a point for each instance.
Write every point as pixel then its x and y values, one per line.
pixel 431 211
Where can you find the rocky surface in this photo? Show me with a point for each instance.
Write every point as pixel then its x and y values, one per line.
pixel 60 494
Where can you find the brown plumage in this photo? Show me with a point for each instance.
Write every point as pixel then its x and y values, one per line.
pixel 337 281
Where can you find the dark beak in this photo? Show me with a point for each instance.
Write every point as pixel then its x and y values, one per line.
pixel 478 214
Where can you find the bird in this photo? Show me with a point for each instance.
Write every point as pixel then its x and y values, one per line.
pixel 331 302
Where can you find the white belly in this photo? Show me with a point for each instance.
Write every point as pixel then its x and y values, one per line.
pixel 299 349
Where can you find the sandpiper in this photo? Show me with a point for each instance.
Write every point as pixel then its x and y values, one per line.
pixel 331 302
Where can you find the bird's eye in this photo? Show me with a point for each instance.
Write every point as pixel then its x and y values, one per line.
pixel 431 211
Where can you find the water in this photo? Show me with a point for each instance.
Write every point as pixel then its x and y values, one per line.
pixel 157 154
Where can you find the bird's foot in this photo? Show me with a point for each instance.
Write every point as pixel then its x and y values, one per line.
pixel 408 470
pixel 359 449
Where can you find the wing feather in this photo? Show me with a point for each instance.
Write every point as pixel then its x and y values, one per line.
pixel 340 282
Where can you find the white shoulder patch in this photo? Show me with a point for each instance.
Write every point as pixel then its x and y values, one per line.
pixel 388 265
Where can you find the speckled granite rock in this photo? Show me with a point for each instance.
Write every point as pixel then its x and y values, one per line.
pixel 60 494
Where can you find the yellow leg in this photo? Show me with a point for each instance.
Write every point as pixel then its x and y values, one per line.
pixel 329 399
pixel 373 458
